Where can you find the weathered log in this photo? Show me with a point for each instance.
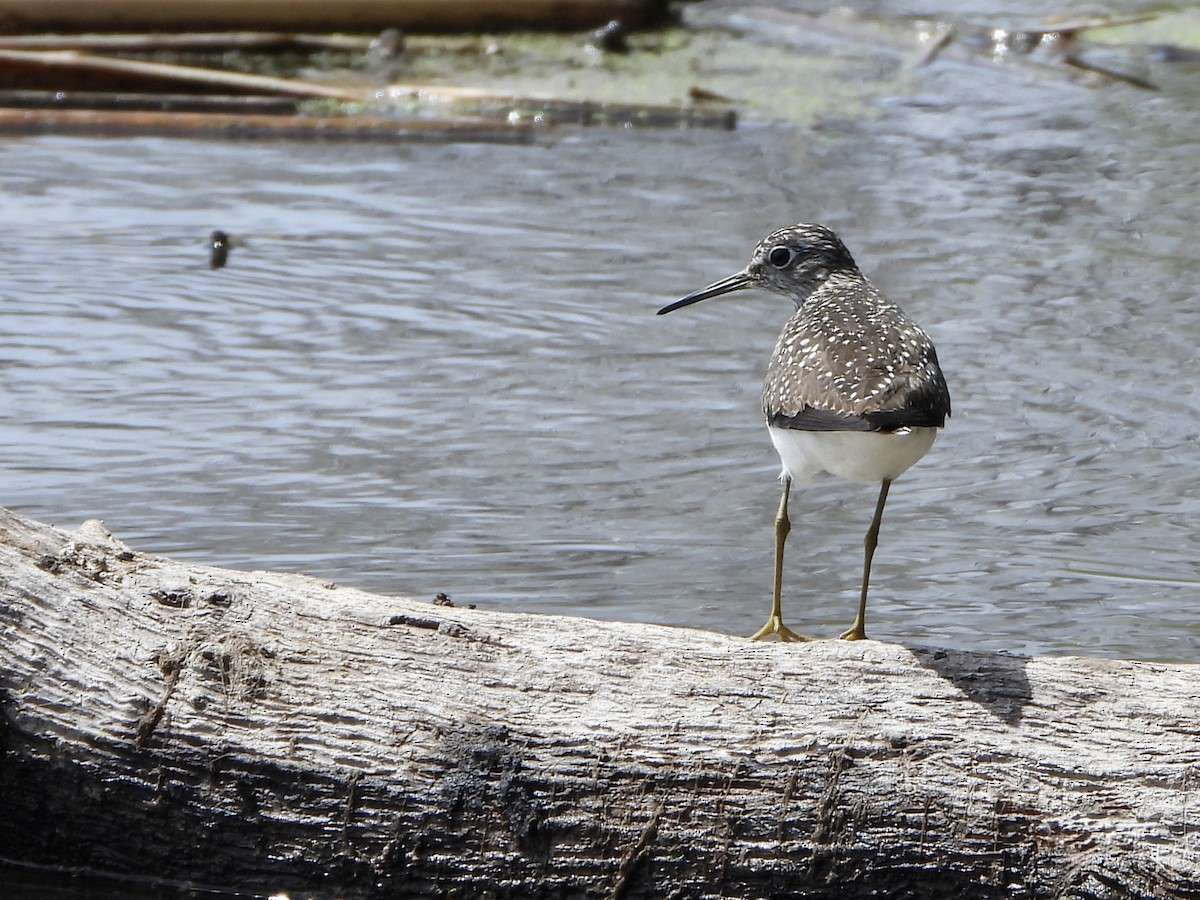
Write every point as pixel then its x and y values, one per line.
pixel 250 126
pixel 189 42
pixel 270 732
pixel 299 15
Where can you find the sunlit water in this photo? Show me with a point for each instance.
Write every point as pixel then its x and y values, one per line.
pixel 438 368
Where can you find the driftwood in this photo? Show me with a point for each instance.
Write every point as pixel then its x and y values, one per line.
pixel 227 117
pixel 272 733
pixel 299 15
pixel 90 65
pixel 189 42
pixel 249 126
pixel 159 108
pixel 132 101
pixel 698 112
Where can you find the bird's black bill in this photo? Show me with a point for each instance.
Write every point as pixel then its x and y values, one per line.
pixel 737 282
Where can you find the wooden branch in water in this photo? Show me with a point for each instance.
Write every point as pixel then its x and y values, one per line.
pixel 558 110
pixel 31 112
pixel 270 733
pixel 498 106
pixel 248 126
pixel 310 15
pixel 561 111
pixel 187 42
pixel 155 102
pixel 169 73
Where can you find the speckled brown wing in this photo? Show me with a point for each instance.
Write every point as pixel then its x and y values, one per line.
pixel 850 360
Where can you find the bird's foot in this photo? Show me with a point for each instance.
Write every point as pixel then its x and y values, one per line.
pixel 857 632
pixel 776 627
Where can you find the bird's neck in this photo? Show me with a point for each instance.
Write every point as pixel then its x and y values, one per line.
pixel 831 286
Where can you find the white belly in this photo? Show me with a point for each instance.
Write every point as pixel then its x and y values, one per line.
pixel 856 455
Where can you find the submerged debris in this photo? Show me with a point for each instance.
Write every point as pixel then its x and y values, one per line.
pixel 396 86
pixel 610 38
pixel 326 87
pixel 1051 46
pixel 218 251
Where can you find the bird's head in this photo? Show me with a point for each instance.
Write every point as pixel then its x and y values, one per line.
pixel 793 261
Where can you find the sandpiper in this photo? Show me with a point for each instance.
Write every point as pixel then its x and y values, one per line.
pixel 853 388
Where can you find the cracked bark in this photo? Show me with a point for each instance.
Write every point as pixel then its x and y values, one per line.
pixel 267 732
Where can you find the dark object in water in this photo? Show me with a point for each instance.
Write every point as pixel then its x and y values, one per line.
pixel 611 38
pixel 218 251
pixel 1172 53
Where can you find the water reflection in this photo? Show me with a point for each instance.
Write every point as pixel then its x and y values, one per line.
pixel 438 368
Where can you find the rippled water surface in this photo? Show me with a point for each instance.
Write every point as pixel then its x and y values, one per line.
pixel 438 368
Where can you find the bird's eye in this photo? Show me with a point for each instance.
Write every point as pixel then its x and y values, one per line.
pixel 780 257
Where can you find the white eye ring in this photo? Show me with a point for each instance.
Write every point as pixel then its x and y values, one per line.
pixel 781 257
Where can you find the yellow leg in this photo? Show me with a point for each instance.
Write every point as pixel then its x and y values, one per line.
pixel 775 624
pixel 858 631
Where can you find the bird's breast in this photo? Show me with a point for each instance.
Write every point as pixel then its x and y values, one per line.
pixel 868 456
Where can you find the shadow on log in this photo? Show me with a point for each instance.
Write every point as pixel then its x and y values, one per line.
pixel 266 732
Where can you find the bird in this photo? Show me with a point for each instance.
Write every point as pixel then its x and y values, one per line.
pixel 853 387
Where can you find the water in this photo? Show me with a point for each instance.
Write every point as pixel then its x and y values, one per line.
pixel 437 368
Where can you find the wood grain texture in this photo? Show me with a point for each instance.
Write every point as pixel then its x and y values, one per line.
pixel 267 731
